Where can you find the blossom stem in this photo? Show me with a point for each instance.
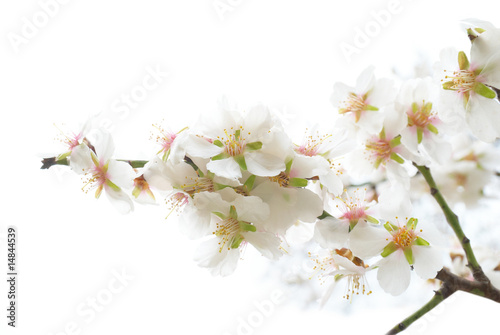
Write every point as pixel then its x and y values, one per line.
pixel 450 284
pixel 454 223
pixel 51 161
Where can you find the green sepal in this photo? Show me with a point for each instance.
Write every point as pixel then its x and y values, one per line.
pixel 288 165
pixel 463 62
pixel 389 249
pixel 324 215
pixel 414 107
pixel 136 192
pixel 433 129
pixel 254 146
pixel 484 91
pixel 371 108
pixel 219 187
pixel 220 156
pixel 480 30
pixel 382 134
pixel 220 215
pixel 94 158
pixel 352 224
pixel 249 183
pixel 237 241
pixel 113 186
pixel 408 255
pixel 420 135
pixel 298 182
pixel 397 158
pixel 218 143
pixel 63 156
pixel 371 219
pixel 237 134
pixel 241 162
pixel 232 213
pixel 247 227
pixel 421 241
pixel 390 227
pixel 395 141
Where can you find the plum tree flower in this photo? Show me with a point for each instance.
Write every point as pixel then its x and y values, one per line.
pixel 403 248
pixel 237 223
pixel 417 99
pixel 362 105
pixel 103 172
pixel 468 88
pixel 383 152
pixel 243 142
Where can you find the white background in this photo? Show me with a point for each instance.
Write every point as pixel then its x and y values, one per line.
pixel 284 53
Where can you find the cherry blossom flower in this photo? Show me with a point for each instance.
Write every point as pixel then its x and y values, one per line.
pixel 403 247
pixel 468 88
pixel 243 142
pixel 362 105
pixel 103 172
pixel 237 223
pixel 422 136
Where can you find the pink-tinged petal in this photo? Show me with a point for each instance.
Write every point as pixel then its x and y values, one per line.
pixel 331 233
pixel 266 243
pixel 80 160
pixel 227 168
pixel 263 164
pixel 120 200
pixel 427 261
pixel 367 241
pixel 483 118
pixel 394 273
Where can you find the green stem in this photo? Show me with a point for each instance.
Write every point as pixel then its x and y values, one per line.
pixel 454 223
pixel 436 300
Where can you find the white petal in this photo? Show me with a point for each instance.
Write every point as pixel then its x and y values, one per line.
pixel 483 118
pixel 427 261
pixel 197 146
pixel 365 81
pixel 80 159
pixel 266 243
pixel 227 168
pixel 367 241
pixel 394 273
pixel 332 182
pixel 331 233
pixel 120 200
pixel 220 262
pixel 121 173
pixel 263 164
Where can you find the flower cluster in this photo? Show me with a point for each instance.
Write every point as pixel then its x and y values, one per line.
pixel 237 177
